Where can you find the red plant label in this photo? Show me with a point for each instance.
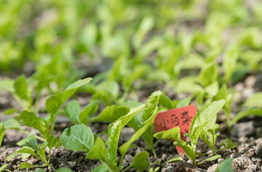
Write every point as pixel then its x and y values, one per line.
pixel 181 117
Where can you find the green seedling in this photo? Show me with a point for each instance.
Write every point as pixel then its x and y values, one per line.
pixel 203 126
pixel 81 138
pixel 252 104
pixel 113 113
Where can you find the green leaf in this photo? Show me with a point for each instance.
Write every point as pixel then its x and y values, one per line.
pixel 212 158
pixel 254 101
pixel 230 61
pixel 114 130
pixel 52 142
pixel 184 102
pixel 248 112
pixel 226 165
pixel 73 110
pixel 3 167
pixel 222 93
pixel 63 170
pixel 30 142
pixel 12 124
pixel 204 120
pixel 7 84
pixel 78 137
pixel 101 154
pixel 21 88
pixel 25 165
pixel 101 168
pixel 88 112
pixel 174 133
pixel 134 137
pixel 10 111
pixel 27 150
pixel 208 74
pixel 39 170
pixel 175 159
pixel 112 113
pixel 41 153
pixel 54 102
pixel 2 132
pixel 31 120
pixel 229 144
pixel 140 161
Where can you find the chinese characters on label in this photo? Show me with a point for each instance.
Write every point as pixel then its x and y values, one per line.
pixel 181 117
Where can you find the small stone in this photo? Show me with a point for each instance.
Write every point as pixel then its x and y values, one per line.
pixel 129 158
pixel 213 168
pixel 247 92
pixel 72 163
pixel 220 160
pixel 242 129
pixel 258 151
pixel 168 169
pixel 250 81
pixel 164 156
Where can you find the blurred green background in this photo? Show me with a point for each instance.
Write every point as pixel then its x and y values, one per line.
pixel 182 45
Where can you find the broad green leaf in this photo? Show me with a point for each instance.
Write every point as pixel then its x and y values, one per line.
pixel 222 93
pixel 25 165
pixel 175 159
pixel 226 165
pixel 254 101
pixel 230 61
pixel 114 130
pixel 145 26
pixel 63 170
pixel 12 124
pixel 31 120
pixel 21 88
pixel 39 170
pixel 212 89
pixel 134 137
pixel 205 119
pixel 3 167
pixel 78 137
pixel 229 144
pixel 41 153
pixel 2 132
pixel 73 110
pixel 30 142
pixel 248 112
pixel 174 133
pixel 54 102
pixel 208 74
pixel 184 102
pixel 88 112
pixel 7 84
pixel 112 113
pixel 140 161
pixel 52 142
pixel 27 150
pixel 212 158
pixel 10 111
pixel 98 151
pixel 101 168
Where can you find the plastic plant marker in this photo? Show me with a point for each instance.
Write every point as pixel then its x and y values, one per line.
pixel 181 117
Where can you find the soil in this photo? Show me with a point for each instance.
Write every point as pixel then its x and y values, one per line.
pixel 247 156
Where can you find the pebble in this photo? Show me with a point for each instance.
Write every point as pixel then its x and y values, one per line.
pixel 250 81
pixel 129 158
pixel 242 129
pixel 213 168
pixel 168 169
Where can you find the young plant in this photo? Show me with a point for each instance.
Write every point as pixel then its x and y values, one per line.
pixel 203 126
pixel 253 105
pixel 146 118
pixel 81 138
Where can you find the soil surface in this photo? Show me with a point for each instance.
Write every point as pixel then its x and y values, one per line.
pixel 247 156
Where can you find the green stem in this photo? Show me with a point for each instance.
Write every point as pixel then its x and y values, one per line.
pixel 126 168
pixel 154 153
pixel 37 137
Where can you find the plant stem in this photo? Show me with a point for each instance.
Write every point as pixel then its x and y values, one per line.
pixel 126 168
pixel 37 137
